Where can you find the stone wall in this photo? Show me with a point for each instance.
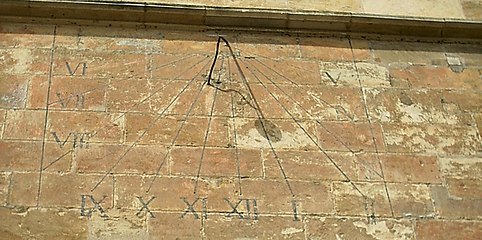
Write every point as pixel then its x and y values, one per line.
pixel 110 130
pixel 113 133
pixel 445 20
pixel 449 9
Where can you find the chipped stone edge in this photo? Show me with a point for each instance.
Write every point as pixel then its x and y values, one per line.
pixel 242 18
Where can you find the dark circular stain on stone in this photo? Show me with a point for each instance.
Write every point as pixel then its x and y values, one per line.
pixel 268 130
pixel 406 99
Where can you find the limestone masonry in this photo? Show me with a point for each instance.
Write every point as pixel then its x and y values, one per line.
pixel 113 132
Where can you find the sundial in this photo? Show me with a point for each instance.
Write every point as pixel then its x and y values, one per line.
pixel 216 132
pixel 198 130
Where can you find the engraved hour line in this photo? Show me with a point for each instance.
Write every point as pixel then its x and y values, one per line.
pixel 57 159
pixel 370 124
pixel 150 96
pixel 291 81
pixel 64 154
pixel 44 140
pixel 138 103
pixel 183 121
pixel 175 61
pixel 311 138
pixel 277 73
pixel 233 113
pixel 249 56
pixel 309 93
pixel 366 165
pixel 176 136
pixel 135 105
pixel 324 127
pixel 367 200
pixel 233 92
pixel 206 134
pixel 151 124
pixel 245 82
pixel 260 117
pixel 126 79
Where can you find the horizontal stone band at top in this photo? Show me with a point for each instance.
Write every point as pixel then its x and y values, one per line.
pixel 243 18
